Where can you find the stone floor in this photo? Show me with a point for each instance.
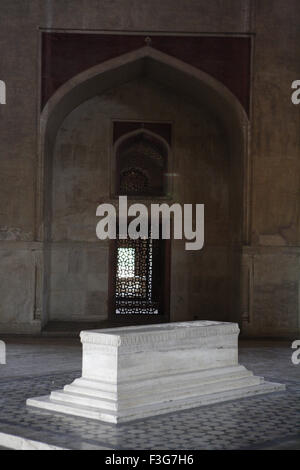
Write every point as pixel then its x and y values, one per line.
pixel 35 366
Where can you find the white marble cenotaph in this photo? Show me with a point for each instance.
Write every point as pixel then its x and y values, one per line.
pixel 138 371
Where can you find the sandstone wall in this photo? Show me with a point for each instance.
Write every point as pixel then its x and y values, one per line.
pixel 271 260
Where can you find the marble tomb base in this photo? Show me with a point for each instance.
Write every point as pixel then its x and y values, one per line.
pixel 134 372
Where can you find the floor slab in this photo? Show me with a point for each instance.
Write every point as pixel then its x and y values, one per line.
pixel 37 365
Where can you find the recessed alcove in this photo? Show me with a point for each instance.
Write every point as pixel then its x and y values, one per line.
pixel 209 132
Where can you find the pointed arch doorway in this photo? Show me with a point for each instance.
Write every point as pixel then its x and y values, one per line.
pixel 177 76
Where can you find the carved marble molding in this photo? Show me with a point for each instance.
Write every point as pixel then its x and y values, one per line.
pixel 153 335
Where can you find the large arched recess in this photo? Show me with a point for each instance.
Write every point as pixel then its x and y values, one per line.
pixel 177 75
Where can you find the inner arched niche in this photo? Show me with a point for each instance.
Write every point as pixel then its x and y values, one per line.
pixel 204 284
pixel 141 164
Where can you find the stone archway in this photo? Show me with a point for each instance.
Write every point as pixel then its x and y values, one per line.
pixel 177 76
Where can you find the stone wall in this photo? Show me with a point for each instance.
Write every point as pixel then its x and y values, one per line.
pixel 270 303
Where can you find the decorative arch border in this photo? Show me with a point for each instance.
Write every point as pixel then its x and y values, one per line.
pixel 116 71
pixel 172 72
